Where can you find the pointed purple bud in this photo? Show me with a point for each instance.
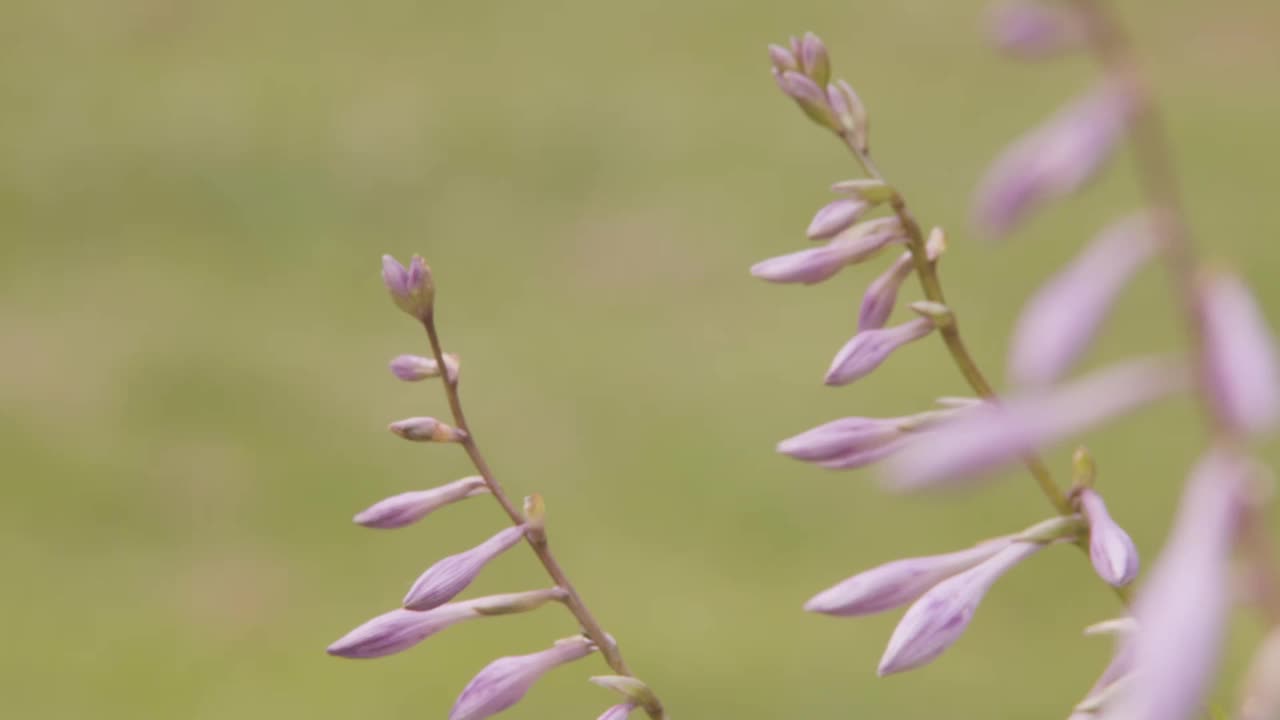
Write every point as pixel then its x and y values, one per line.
pixel 1055 159
pixel 618 712
pixel 407 508
pixel 1032 30
pixel 503 682
pixel 842 437
pixel 849 112
pixel 1182 609
pixel 450 576
pixel 1060 321
pixel 1240 364
pixel 397 631
pixel 412 288
pixel 810 96
pixel 782 59
pixel 858 243
pixel 940 616
pixel 899 582
pixel 869 348
pixel 835 217
pixel 882 294
pixel 814 59
pixel 412 368
pixel 1114 556
pixel 992 435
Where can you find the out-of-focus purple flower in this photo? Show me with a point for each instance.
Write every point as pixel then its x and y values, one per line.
pixel 412 368
pixel 618 712
pixel 992 435
pixel 1182 609
pixel 425 429
pixel 941 615
pixel 1033 30
pixel 503 682
pixel 869 348
pixel 1054 159
pixel 1239 361
pixel 412 288
pixel 401 629
pixel 1059 322
pixel 835 217
pixel 410 507
pixel 448 577
pixel 897 583
pixel 1114 556
pixel 1260 699
pixel 814 265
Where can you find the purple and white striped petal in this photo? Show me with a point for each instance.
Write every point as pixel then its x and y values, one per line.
pixel 1114 556
pixel 503 682
pixel 1240 363
pixel 1059 322
pixel 407 508
pixel 448 577
pixel 992 435
pixel 1182 610
pixel 942 614
pixel 897 583
pixel 1055 159
pixel 868 349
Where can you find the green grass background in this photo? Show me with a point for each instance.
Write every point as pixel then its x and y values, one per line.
pixel 193 394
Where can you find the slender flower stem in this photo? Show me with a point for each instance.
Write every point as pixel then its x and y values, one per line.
pixel 1154 167
pixel 537 541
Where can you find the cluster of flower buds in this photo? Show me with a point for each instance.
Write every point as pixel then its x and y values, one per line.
pixel 1161 670
pixel 430 605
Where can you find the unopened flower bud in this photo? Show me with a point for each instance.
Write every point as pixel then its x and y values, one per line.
pixel 835 217
pixel 412 288
pixel 407 508
pixel 850 113
pixel 425 429
pixel 443 581
pixel 412 368
pixel 1240 361
pixel 814 60
pixel 782 59
pixel 1114 556
pixel 503 682
pixel 857 244
pixel 808 95
pixel 868 349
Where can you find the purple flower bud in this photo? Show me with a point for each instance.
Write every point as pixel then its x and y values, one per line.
pixel 814 59
pixel 835 217
pixel 992 435
pixel 1182 609
pixel 869 348
pixel 854 245
pixel 450 576
pixel 425 429
pixel 411 288
pixel 849 112
pixel 618 712
pixel 882 294
pixel 941 615
pixel 1114 556
pixel 1260 699
pixel 1059 322
pixel 782 59
pixel 1239 362
pixel 1032 30
pixel 1055 159
pixel 398 630
pixel 808 95
pixel 407 508
pixel 897 583
pixel 412 368
pixel 842 437
pixel 503 682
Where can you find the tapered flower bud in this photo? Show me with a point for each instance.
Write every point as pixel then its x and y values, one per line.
pixel 1034 30
pixel 993 435
pixel 850 113
pixel 1239 362
pixel 838 438
pixel 782 59
pixel 1114 556
pixel 448 577
pixel 808 95
pixel 852 246
pixel 814 59
pixel 1182 609
pixel 1058 324
pixel 503 682
pixel 899 582
pixel 412 368
pixel 882 293
pixel 942 614
pixel 1260 699
pixel 1055 159
pixel 869 348
pixel 410 507
pixel 401 629
pixel 412 288
pixel 618 712
pixel 835 217
pixel 425 429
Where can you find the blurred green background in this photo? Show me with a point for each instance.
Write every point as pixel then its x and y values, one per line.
pixel 193 393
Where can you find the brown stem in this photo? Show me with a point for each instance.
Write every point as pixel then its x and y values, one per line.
pixel 538 541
